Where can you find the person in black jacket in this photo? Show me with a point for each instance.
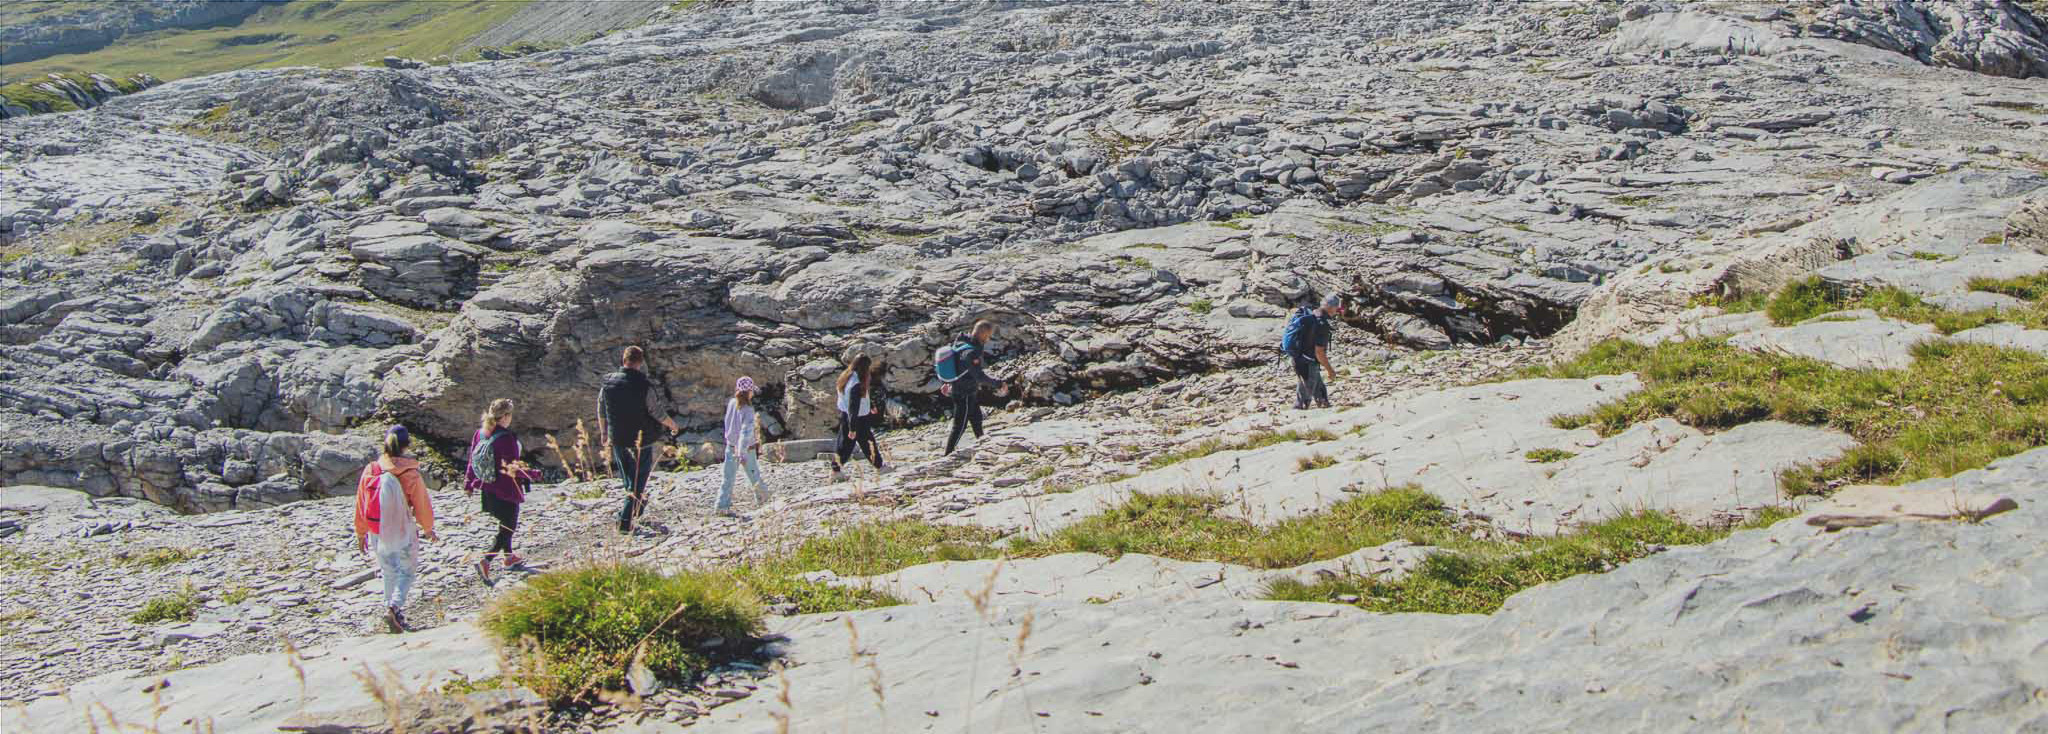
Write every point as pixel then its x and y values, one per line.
pixel 967 389
pixel 626 415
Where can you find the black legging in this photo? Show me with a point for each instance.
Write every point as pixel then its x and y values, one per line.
pixel 507 515
pixel 966 409
pixel 863 438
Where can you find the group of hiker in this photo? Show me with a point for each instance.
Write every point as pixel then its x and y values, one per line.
pixel 394 512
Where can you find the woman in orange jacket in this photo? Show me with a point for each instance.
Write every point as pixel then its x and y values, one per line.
pixel 393 512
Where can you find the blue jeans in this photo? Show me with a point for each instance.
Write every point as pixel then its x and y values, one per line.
pixel 399 567
pixel 734 460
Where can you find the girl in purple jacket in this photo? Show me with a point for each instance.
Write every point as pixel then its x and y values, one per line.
pixel 503 495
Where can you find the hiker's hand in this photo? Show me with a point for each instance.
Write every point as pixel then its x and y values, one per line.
pixel 431 537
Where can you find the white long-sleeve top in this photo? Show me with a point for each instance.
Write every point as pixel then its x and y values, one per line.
pixel 739 426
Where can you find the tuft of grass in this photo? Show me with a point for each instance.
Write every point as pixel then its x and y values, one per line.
pixel 1186 527
pixel 156 558
pixel 1957 407
pixel 181 606
pixel 1201 306
pixel 1802 300
pixel 1314 462
pixel 2026 287
pixel 1041 473
pixel 463 685
pixel 236 595
pixel 1929 256
pixel 1630 200
pixel 1254 441
pixel 1546 456
pixel 575 632
pixel 1478 576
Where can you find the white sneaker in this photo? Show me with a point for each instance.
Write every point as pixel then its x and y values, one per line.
pixel 760 494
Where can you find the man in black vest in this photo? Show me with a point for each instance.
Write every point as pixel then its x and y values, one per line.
pixel 627 416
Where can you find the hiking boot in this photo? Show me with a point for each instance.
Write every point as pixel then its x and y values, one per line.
pixel 483 570
pixel 760 494
pixel 399 614
pixel 838 476
pixel 513 560
pixel 392 622
pixel 1323 404
pixel 727 512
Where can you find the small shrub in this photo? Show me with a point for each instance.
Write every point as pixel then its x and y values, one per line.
pixel 182 606
pixel 236 595
pixel 1546 456
pixel 1201 306
pixel 575 632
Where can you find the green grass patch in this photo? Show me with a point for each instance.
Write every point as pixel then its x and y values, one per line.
pixel 181 606
pixel 1957 407
pixel 1041 473
pixel 1930 256
pixel 1201 306
pixel 325 33
pixel 1547 456
pixel 1478 576
pixel 865 549
pixel 1146 246
pixel 1186 527
pixel 1254 441
pixel 1811 299
pixel 1630 200
pixel 573 633
pixel 2026 287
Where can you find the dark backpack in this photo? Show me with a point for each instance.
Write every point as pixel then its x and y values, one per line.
pixel 483 458
pixel 1295 339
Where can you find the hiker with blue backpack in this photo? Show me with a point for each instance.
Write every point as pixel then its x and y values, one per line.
pixel 961 367
pixel 393 512
pixel 495 471
pixel 1307 344
pixel 857 416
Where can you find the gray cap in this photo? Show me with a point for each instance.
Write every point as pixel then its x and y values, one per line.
pixel 1333 301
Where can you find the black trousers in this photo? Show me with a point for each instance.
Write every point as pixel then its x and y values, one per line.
pixel 966 410
pixel 632 465
pixel 863 430
pixel 507 515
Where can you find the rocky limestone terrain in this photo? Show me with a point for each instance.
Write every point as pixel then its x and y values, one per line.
pixel 218 289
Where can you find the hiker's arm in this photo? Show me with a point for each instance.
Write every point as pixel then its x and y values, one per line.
pixel 600 413
pixel 655 410
pixel 415 488
pixel 1323 357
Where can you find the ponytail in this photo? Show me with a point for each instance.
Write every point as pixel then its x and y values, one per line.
pixel 496 412
pixel 396 441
